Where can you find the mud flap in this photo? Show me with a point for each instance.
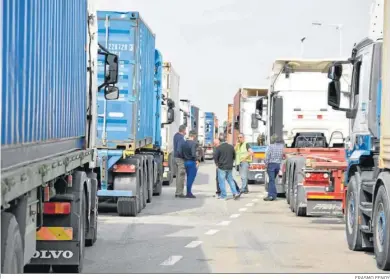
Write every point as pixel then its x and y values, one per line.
pixel 317 207
pixel 58 253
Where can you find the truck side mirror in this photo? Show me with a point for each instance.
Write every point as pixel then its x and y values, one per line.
pixel 185 122
pixel 254 122
pixel 259 109
pixel 334 94
pixel 170 116
pixel 111 69
pixel 111 93
pixel 335 72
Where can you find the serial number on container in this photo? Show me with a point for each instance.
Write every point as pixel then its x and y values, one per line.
pixel 120 47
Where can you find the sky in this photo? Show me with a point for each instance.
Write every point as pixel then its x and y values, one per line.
pixel 218 46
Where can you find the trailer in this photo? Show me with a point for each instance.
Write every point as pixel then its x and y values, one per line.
pixel 171 83
pixel 209 135
pixel 129 129
pixel 201 130
pixel 185 114
pixel 367 178
pixel 48 197
pixel 247 123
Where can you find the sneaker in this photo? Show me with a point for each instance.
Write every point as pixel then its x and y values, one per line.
pixel 244 192
pixel 236 197
pixel 269 199
pixel 180 196
pixel 222 198
pixel 190 196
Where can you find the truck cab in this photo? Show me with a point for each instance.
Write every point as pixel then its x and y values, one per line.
pixel 366 197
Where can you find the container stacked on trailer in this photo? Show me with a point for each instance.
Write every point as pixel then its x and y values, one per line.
pixel 129 129
pixel 209 132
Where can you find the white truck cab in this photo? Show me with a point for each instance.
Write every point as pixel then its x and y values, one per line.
pixel 298 104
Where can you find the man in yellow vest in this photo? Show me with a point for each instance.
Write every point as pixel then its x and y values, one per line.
pixel 243 158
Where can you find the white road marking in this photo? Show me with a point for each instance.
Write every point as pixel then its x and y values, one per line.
pixel 249 204
pixel 211 232
pixel 224 223
pixel 243 209
pixel 255 200
pixel 234 215
pixel 172 260
pixel 193 244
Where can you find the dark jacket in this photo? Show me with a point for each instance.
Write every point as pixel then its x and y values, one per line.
pixel 224 156
pixel 178 141
pixel 188 149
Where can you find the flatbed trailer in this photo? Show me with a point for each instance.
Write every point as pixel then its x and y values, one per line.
pixel 313 180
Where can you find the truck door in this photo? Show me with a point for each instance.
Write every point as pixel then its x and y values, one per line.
pixel 277 116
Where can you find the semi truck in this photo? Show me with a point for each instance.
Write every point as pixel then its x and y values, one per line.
pixel 209 135
pixel 311 172
pixel 246 123
pixel 195 124
pixel 171 83
pixel 129 129
pixel 367 178
pixel 49 89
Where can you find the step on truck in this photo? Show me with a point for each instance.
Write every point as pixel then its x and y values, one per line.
pixel 209 135
pixel 130 167
pixel 314 156
pixel 367 178
pixel 170 98
pixel 48 186
pixel 246 122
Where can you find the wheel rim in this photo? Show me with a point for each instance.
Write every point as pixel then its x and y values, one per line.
pixel 380 227
pixel 351 212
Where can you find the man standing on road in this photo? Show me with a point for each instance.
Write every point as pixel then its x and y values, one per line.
pixel 217 142
pixel 243 158
pixel 273 159
pixel 191 162
pixel 178 141
pixel 224 159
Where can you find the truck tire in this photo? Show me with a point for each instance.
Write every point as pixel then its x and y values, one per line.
pixel 91 242
pixel 150 181
pixel 298 164
pixel 127 206
pixel 129 182
pixel 83 230
pixel 12 254
pixel 354 236
pixel 299 211
pixel 145 185
pixel 289 179
pixel 381 229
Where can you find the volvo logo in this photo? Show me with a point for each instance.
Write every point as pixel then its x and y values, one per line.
pixel 53 254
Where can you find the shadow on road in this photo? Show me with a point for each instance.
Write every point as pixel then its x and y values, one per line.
pixel 125 247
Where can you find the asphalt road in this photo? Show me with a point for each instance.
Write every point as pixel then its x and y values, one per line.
pixel 207 235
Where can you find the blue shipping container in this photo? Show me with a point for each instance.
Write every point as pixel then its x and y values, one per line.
pixel 209 128
pixel 44 78
pixel 130 120
pixel 157 101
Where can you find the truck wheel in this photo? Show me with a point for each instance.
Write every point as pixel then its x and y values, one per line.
pixel 145 185
pixel 354 237
pixel 12 254
pixel 91 242
pixel 298 164
pixel 129 182
pixel 127 206
pixel 299 211
pixel 381 229
pixel 83 230
pixel 289 168
pixel 158 186
pixel 150 183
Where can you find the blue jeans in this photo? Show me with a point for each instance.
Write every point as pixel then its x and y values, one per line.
pixel 191 171
pixel 244 168
pixel 272 171
pixel 228 175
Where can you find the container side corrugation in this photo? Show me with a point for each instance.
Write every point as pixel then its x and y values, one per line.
pixel 129 118
pixel 43 77
pixel 209 135
pixel 156 114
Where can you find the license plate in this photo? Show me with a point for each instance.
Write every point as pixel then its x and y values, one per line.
pixel 166 169
pixel 259 155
